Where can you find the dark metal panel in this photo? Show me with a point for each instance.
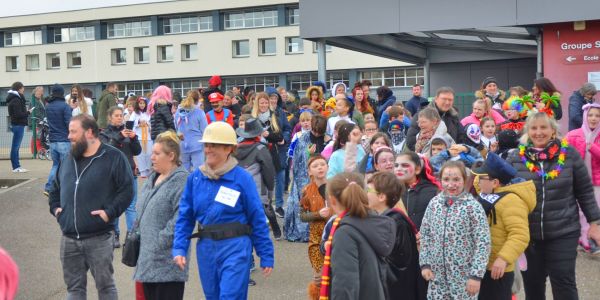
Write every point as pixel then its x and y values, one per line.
pixel 445 55
pixel 544 11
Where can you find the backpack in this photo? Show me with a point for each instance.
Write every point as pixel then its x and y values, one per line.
pixel 489 201
pixel 213 118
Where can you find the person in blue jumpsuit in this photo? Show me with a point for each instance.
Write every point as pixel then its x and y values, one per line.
pixel 222 198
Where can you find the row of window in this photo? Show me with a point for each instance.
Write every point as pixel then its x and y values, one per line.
pixel 268 46
pixel 165 53
pixel 249 18
pixel 32 61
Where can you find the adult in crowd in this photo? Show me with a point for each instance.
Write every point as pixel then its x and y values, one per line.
pixel 482 108
pixel 489 90
pixel 38 103
pixel 159 206
pixel 562 186
pixel 361 103
pixel 278 135
pixel 190 122
pixel 58 115
pixel 414 104
pixel 78 102
pixel 141 126
pixel 213 87
pixel 544 85
pixel 443 102
pixel 235 108
pixel 18 113
pixel 223 199
pixel 585 95
pixel 365 85
pixel 385 99
pixel 159 108
pixel 86 214
pixel 107 100
pixel 586 141
pixel 218 112
pixel 238 97
pixel 127 142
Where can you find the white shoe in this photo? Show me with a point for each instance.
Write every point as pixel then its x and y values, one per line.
pixel 20 170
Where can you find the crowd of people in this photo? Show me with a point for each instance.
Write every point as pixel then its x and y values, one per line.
pixel 396 200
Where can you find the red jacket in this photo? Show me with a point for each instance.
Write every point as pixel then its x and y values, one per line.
pixel 576 139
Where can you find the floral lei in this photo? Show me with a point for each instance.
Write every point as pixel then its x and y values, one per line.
pixel 535 169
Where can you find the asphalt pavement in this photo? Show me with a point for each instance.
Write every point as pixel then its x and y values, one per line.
pixel 31 235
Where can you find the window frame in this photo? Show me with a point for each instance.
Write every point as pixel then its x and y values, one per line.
pixel 400 74
pixel 27 64
pixel 261 46
pixel 14 66
pixel 115 56
pixel 70 56
pixel 186 52
pixel 288 42
pixel 50 60
pixel 130 26
pixel 234 48
pixel 291 15
pixel 37 38
pixel 201 20
pixel 136 55
pixel 159 53
pixel 250 17
pixel 58 32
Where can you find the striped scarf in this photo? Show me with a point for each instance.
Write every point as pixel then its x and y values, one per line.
pixel 326 273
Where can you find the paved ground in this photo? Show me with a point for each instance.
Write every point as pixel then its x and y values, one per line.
pixel 31 235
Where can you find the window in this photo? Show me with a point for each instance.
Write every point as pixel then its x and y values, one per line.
pixel 267 46
pixel 401 77
pixel 251 19
pixel 315 46
pixel 23 38
pixel 142 55
pixel 12 63
pixel 294 45
pixel 187 24
pixel 189 52
pixel 138 88
pixel 241 48
pixel 259 83
pixel 74 59
pixel 32 62
pixel 165 53
pixel 184 86
pixel 129 29
pixel 293 14
pixel 52 61
pixel 119 56
pixel 301 82
pixel 74 34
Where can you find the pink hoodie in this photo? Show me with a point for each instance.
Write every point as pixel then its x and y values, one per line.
pixel 471 119
pixel 579 138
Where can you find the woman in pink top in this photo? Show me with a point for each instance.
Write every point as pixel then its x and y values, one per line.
pixel 482 108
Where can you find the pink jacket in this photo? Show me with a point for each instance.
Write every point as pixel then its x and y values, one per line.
pixel 576 139
pixel 471 119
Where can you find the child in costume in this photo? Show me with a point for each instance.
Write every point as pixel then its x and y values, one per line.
pixel 314 211
pixel 516 110
pixel 305 120
pixel 455 239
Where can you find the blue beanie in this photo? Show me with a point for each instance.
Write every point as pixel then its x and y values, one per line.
pixel 271 90
pixel 58 90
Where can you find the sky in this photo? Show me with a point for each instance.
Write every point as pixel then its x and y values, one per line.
pixel 31 7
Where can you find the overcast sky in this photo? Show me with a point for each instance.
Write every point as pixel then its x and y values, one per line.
pixel 31 7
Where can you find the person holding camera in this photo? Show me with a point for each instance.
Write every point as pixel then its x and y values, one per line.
pixel 123 137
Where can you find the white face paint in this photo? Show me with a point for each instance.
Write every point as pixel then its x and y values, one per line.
pixel 404 168
pixel 452 181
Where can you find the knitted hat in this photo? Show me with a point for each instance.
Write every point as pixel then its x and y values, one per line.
pixel 58 90
pixel 488 80
pixel 215 80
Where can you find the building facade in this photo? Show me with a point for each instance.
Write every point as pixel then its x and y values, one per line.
pixel 181 44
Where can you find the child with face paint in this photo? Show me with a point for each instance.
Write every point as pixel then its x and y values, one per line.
pixel 420 184
pixel 488 134
pixel 380 139
pixel 455 239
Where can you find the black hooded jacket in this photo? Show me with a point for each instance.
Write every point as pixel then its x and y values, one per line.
pixel 129 146
pixel 359 245
pixel 17 109
pixel 417 199
pixel 161 120
pixel 256 159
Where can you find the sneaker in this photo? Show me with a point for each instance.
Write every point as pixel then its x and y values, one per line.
pixel 46 193
pixel 594 249
pixel 116 242
pixel 20 170
pixel 251 282
pixel 279 212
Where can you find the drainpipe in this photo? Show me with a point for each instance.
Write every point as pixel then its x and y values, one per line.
pixel 540 71
pixel 321 60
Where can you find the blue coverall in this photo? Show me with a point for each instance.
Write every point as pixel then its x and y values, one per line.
pixel 223 264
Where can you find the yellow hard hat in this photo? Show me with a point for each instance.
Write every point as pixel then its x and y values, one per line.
pixel 219 133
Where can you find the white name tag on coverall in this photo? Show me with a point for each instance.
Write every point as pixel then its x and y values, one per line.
pixel 227 196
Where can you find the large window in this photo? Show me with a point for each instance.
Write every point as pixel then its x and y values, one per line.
pixel 129 29
pixel 142 55
pixel 259 83
pixel 187 24
pixel 295 45
pixel 23 38
pixel 12 63
pixel 74 34
pixel 184 86
pixel 251 19
pixel 189 51
pixel 241 48
pixel 401 77
pixel 165 53
pixel 302 81
pixel 53 61
pixel 293 14
pixel 138 88
pixel 74 59
pixel 118 56
pixel 32 62
pixel 267 46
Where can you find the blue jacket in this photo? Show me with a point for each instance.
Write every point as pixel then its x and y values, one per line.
pixel 388 101
pixel 385 120
pixel 415 103
pixel 191 123
pixel 576 103
pixel 198 204
pixel 58 114
pixel 468 158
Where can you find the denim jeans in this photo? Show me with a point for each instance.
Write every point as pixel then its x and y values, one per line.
pixel 95 254
pixel 130 212
pixel 279 186
pixel 58 150
pixel 18 132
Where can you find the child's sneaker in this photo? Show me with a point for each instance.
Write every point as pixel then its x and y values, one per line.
pixel 594 249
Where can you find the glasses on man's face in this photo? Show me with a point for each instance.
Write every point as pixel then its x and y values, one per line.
pixel 370 129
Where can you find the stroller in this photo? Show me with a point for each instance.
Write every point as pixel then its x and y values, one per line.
pixel 43 139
